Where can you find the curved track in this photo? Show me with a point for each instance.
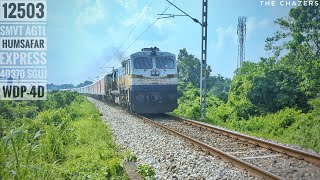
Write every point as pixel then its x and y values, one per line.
pixel 262 158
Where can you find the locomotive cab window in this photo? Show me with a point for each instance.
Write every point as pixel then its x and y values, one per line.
pixel 165 63
pixel 142 63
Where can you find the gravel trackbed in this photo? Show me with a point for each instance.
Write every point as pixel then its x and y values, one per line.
pixel 171 157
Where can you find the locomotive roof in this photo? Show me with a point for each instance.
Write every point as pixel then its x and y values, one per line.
pixel 143 53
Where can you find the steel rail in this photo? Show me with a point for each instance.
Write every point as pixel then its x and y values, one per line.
pixel 266 144
pixel 228 158
pixel 213 151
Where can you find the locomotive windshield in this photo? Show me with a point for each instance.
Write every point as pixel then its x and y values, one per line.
pixel 164 62
pixel 142 63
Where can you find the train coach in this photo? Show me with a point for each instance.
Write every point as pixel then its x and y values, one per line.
pixel 146 83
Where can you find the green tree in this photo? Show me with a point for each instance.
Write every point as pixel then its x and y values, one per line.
pixel 189 68
pixel 241 84
pixel 219 86
pixel 299 37
pixel 86 83
pixel 276 87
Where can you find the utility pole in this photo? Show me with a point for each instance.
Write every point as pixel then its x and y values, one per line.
pixel 203 73
pixel 203 84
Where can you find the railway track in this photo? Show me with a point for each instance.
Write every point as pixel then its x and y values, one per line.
pixel 262 158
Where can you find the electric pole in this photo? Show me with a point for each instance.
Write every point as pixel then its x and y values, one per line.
pixel 203 72
pixel 203 84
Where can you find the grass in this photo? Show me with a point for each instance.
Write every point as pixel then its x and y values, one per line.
pixel 63 138
pixel 288 125
pixel 146 171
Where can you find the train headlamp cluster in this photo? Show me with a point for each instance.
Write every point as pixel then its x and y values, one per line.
pixel 155 73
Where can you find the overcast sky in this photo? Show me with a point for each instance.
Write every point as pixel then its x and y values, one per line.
pixel 84 34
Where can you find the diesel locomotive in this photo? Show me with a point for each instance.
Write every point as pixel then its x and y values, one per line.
pixel 145 83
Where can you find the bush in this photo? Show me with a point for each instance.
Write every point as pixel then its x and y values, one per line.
pixel 190 100
pixel 288 125
pixel 221 114
pixel 146 171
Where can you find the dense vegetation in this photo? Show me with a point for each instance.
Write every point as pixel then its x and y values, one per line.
pixel 276 98
pixel 62 138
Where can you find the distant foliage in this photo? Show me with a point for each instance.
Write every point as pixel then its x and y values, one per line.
pixel 86 83
pixel 58 87
pixel 67 86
